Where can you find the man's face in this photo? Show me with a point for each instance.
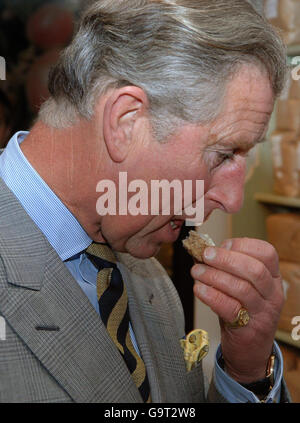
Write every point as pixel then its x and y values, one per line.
pixel 215 153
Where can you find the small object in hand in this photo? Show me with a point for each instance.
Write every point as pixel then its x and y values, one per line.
pixel 196 243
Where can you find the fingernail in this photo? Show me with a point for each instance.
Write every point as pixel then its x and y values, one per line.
pixel 210 253
pixel 227 244
pixel 198 270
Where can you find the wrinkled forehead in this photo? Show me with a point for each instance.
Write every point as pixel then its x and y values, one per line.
pixel 246 111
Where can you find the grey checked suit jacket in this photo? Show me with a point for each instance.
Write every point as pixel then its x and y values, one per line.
pixel 78 362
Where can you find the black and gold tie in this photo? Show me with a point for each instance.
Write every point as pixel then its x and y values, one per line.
pixel 113 305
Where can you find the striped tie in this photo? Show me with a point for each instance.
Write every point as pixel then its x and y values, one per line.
pixel 113 305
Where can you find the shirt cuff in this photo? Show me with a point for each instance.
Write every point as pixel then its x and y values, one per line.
pixel 233 392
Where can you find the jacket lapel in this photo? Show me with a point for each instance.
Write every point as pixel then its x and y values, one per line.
pixel 158 336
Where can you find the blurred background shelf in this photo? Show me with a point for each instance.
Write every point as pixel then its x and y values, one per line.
pixel 269 198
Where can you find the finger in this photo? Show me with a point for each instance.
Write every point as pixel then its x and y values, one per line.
pixel 232 286
pixel 241 266
pixel 256 248
pixel 227 308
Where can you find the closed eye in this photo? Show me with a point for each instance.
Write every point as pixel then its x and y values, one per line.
pixel 223 157
pixel 226 156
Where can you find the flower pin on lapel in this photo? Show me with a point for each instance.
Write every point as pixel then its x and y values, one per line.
pixel 195 347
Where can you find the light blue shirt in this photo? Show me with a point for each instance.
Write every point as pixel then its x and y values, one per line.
pixel 69 240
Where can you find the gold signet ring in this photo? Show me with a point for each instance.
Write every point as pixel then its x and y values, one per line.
pixel 241 320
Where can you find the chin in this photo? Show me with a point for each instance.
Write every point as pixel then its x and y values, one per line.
pixel 143 251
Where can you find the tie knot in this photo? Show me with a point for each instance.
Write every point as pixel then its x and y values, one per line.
pixel 103 253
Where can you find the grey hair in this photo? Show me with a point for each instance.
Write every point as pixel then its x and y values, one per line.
pixel 181 53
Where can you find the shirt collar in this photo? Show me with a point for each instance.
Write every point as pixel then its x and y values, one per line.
pixel 57 223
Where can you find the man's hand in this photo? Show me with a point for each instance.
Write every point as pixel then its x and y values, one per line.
pixel 243 273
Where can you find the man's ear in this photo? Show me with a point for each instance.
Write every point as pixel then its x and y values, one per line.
pixel 122 109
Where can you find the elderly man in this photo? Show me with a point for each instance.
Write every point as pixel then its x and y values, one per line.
pixel 159 89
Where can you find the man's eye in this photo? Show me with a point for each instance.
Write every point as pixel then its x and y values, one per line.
pixel 220 157
pixel 226 156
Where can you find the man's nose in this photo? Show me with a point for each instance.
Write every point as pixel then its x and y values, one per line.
pixel 231 193
pixel 233 199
